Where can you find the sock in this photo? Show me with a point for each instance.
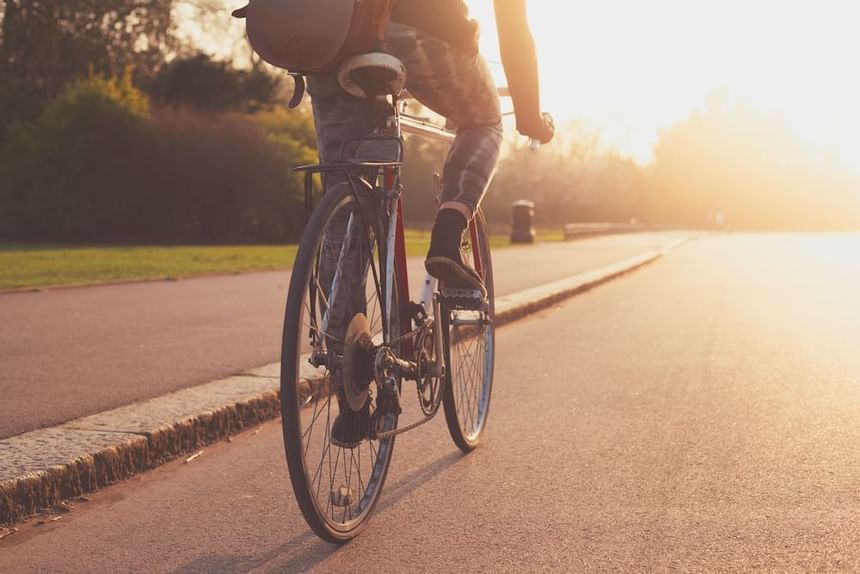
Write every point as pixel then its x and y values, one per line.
pixel 447 234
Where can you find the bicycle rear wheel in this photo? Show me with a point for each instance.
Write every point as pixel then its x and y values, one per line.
pixel 469 347
pixel 338 273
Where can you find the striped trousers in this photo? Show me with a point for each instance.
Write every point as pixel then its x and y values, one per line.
pixel 450 82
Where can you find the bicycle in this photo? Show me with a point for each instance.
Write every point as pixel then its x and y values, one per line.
pixel 349 312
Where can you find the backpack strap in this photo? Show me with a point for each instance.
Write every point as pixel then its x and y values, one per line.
pixel 298 90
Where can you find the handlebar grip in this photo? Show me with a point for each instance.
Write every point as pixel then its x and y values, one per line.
pixel 534 144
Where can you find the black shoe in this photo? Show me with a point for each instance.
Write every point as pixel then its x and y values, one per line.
pixel 350 427
pixel 454 274
pixel 445 260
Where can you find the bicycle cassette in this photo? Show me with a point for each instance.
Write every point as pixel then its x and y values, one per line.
pixel 358 357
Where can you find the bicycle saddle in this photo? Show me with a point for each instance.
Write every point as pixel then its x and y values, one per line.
pixel 371 75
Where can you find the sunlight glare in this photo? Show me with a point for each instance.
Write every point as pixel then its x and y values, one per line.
pixel 632 68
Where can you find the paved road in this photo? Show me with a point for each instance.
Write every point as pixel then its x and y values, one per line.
pixel 699 415
pixel 71 353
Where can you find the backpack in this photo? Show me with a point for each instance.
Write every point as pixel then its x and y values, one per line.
pixel 313 36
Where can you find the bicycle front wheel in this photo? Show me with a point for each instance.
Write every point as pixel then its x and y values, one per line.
pixel 469 346
pixel 339 273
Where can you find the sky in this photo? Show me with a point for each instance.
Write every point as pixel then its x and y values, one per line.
pixel 628 69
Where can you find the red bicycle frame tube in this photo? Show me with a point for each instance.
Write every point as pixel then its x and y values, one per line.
pixel 476 252
pixel 402 276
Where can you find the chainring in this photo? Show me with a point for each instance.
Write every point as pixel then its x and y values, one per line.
pixel 428 385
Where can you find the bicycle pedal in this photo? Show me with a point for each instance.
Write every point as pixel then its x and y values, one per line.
pixel 342 497
pixel 467 299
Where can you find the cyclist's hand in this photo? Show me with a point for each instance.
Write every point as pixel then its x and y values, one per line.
pixel 541 129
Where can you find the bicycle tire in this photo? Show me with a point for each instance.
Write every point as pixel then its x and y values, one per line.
pixel 299 393
pixel 469 360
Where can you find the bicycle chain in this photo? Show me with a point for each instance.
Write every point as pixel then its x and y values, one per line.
pixel 384 435
pixel 394 432
pixel 437 403
pixel 443 381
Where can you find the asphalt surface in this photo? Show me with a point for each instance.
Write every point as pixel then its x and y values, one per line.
pixel 698 415
pixel 69 353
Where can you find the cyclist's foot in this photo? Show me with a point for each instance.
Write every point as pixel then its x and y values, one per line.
pixel 444 260
pixel 350 427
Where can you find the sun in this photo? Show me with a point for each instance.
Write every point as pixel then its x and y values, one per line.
pixel 632 68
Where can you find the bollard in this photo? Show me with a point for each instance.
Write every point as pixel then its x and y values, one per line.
pixel 522 230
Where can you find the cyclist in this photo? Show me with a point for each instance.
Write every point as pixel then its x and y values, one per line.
pixel 438 44
pixel 452 79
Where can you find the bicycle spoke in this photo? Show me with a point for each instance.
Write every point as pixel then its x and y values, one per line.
pixel 313 421
pixel 470 358
pixel 320 291
pixel 326 454
pixel 319 332
pixel 316 329
pixel 338 486
pixel 360 482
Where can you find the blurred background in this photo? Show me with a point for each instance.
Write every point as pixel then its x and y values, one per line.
pixel 151 122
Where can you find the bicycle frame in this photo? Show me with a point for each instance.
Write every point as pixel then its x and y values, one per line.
pixel 364 351
pixel 393 124
pixel 416 126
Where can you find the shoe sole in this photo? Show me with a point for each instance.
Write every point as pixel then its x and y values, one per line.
pixel 452 275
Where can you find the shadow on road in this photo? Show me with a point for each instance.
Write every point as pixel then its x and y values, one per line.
pixel 306 550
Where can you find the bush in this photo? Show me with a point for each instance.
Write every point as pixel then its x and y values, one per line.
pixel 218 179
pixel 99 166
pixel 47 190
pixel 204 84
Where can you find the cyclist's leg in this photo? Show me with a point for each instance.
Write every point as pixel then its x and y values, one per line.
pixel 339 117
pixel 460 87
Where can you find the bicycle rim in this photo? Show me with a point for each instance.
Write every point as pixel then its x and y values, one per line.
pixel 470 355
pixel 336 488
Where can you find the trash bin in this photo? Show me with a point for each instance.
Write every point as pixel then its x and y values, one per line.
pixel 522 230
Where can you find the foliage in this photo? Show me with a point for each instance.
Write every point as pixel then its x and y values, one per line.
pixel 97 167
pixel 292 131
pixel 217 179
pixel 49 170
pixel 46 43
pixel 424 158
pixel 204 84
pixel 570 180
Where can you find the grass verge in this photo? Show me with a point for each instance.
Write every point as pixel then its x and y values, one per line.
pixel 43 266
pixel 31 266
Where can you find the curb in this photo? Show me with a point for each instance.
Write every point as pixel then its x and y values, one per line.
pixel 43 468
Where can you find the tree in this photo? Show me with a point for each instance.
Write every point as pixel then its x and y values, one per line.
pixel 44 44
pixel 99 166
pixel 204 84
pixel 424 158
pixel 570 180
pixel 58 174
pixel 734 159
